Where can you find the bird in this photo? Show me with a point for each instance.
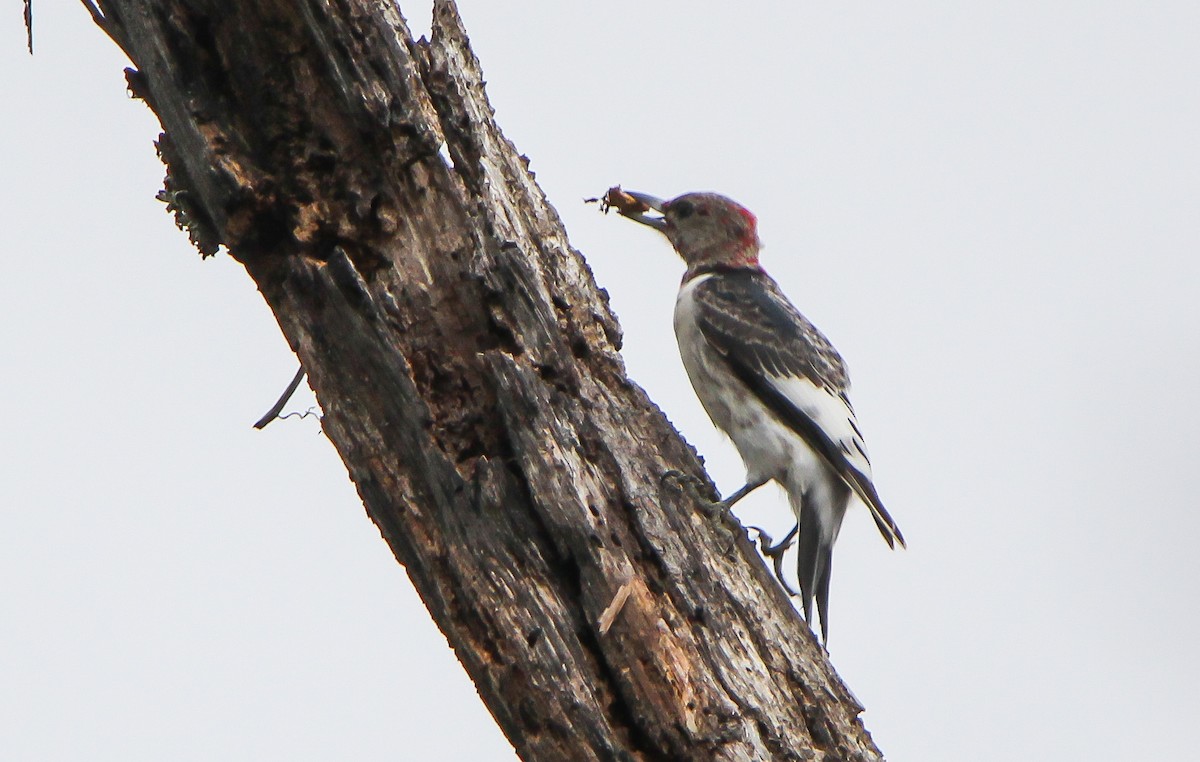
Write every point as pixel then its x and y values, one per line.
pixel 767 377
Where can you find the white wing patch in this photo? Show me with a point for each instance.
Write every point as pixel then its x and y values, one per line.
pixel 831 412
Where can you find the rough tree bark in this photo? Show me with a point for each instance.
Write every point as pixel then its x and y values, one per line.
pixel 468 370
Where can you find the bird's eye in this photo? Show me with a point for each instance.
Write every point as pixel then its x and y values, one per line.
pixel 682 209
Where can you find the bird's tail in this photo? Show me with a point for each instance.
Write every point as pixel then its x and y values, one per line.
pixel 820 517
pixel 887 525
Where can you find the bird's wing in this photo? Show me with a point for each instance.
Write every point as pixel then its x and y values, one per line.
pixel 794 370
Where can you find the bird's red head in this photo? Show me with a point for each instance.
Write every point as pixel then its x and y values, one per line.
pixel 706 229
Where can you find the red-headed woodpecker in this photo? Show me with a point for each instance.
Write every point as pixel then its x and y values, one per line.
pixel 766 376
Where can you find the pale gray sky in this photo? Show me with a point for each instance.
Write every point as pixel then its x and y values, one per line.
pixel 993 212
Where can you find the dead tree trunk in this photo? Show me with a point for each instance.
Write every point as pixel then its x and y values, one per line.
pixel 468 370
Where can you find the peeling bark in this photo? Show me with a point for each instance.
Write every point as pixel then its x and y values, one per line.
pixel 468 368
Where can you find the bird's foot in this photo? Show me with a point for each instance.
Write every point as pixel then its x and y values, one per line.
pixel 714 510
pixel 682 481
pixel 720 513
pixel 775 553
pixel 697 488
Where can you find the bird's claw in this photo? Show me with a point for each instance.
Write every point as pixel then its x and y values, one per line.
pixel 719 512
pixel 674 475
pixel 681 480
pixel 775 553
pixel 714 510
pixel 685 482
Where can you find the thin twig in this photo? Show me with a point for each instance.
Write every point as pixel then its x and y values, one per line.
pixel 29 25
pixel 273 413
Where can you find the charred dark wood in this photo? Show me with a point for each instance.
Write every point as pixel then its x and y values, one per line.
pixel 468 370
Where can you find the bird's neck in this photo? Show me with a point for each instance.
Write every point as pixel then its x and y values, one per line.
pixel 717 268
pixel 723 255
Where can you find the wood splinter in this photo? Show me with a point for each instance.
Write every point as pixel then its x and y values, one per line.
pixel 609 615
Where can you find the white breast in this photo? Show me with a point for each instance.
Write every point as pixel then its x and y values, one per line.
pixel 769 449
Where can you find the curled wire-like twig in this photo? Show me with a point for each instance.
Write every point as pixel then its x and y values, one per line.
pixel 312 411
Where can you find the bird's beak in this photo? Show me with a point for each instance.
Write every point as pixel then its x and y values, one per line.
pixel 645 203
